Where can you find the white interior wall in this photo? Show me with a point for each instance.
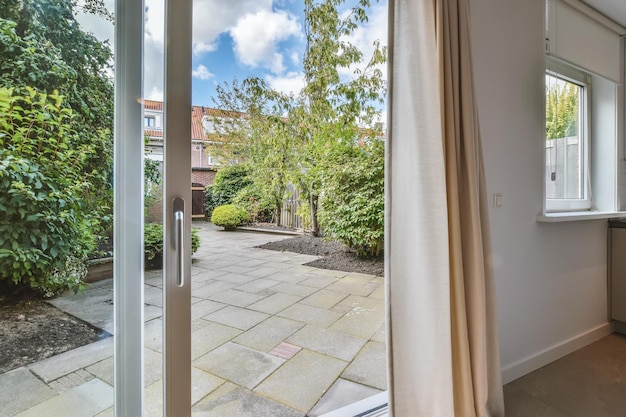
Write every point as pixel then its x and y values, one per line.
pixel 550 277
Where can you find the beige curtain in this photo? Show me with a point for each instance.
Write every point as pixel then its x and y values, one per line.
pixel 443 350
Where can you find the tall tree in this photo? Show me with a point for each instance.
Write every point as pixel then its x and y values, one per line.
pixel 331 108
pixel 306 130
pixel 562 100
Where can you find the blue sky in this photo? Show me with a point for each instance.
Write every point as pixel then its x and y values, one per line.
pixel 238 38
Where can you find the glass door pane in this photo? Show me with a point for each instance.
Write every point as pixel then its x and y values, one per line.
pixel 58 158
pixel 281 332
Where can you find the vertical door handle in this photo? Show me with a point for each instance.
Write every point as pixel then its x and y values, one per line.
pixel 179 240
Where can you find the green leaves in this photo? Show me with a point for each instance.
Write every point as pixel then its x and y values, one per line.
pixel 44 50
pixel 562 104
pixel 229 216
pixel 353 201
pixel 45 231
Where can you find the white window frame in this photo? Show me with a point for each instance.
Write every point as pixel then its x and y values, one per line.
pixel 147 119
pixel 576 76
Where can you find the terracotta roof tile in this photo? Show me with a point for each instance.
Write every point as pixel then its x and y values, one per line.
pixel 197 114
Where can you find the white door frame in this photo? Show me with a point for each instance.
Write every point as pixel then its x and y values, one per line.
pixel 129 210
pixel 128 218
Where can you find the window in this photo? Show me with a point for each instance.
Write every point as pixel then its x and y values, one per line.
pixel 149 121
pixel 567 160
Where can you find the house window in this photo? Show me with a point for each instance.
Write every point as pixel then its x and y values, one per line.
pixel 149 121
pixel 567 156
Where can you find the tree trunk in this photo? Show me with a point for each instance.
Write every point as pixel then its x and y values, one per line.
pixel 279 212
pixel 313 201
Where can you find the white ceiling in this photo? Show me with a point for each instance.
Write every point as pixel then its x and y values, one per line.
pixel 613 9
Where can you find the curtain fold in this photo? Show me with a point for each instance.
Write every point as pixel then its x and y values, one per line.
pixel 442 344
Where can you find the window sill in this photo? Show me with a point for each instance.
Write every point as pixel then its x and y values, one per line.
pixel 578 216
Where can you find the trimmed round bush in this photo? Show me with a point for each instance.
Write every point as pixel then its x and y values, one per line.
pixel 228 216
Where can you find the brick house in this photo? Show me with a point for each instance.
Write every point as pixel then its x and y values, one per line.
pixel 203 166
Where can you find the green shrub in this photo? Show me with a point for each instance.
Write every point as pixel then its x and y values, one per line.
pixel 228 181
pixel 153 240
pixel 46 228
pixel 258 206
pixel 228 216
pixel 354 201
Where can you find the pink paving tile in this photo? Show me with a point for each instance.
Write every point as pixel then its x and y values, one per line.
pixel 285 350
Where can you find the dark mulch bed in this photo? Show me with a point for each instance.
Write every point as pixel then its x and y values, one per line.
pixel 32 330
pixel 335 255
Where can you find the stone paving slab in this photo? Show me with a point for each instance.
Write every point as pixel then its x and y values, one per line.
pixel 341 394
pixel 86 400
pixel 153 335
pixel 231 400
pixel 302 380
pixel 210 337
pixel 369 367
pixel 363 318
pixel 69 381
pixel 214 287
pixel 14 384
pixel 94 305
pixel 266 270
pixel 352 286
pixel 236 279
pixel 153 368
pixel 274 303
pixel 257 285
pixel 243 366
pixel 289 276
pixel 268 334
pixel 204 307
pixel 295 289
pixel 311 315
pixel 73 360
pixel 325 298
pixel 318 281
pixel 236 298
pixel 329 342
pixel 203 384
pixel 237 317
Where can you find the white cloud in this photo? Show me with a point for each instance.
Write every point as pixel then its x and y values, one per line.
pixel 214 17
pixel 154 93
pixel 256 37
pixel 202 72
pixel 291 83
pixel 294 56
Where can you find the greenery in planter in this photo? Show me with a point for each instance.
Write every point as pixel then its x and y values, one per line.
pixel 229 216
pixel 153 240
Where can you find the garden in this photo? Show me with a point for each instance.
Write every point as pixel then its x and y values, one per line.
pixel 321 147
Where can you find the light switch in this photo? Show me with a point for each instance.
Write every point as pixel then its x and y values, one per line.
pixel 498 199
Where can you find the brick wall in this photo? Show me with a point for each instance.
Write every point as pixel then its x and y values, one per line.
pixel 203 176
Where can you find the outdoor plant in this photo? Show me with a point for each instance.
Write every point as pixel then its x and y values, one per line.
pixel 258 206
pixel 42 46
pixel 354 201
pixel 229 216
pixel 44 223
pixel 153 240
pixel 227 183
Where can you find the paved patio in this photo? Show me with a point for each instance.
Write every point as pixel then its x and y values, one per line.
pixel 270 337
